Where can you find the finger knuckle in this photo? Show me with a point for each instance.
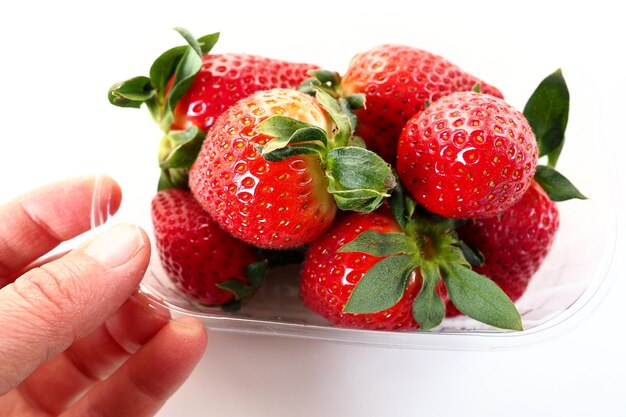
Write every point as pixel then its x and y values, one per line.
pixel 51 288
pixel 148 391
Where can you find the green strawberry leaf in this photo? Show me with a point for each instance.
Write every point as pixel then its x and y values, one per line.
pixel 472 255
pixel 186 70
pixel 354 101
pixel 179 148
pixel 349 104
pixel 307 134
pixel 321 79
pixel 207 42
pixel 358 178
pixel 342 120
pixel 398 206
pixel 309 86
pixel 165 183
pixel 191 41
pixel 151 90
pixel 327 77
pixel 556 185
pixel 382 286
pixel 362 201
pixel 256 273
pixel 428 309
pixel 177 152
pixel 239 289
pixel 480 298
pixel 547 112
pixel 187 66
pixel 287 131
pixel 380 244
pixel 131 93
pixel 163 68
pixel 282 127
pixel 173 178
pixel 345 109
pixel 307 148
pixel 410 206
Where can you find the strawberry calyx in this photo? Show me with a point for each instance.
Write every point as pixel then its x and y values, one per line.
pixel 170 77
pixel 326 80
pixel 329 82
pixel 430 245
pixel 177 152
pixel 547 112
pixel 358 179
pixel 256 273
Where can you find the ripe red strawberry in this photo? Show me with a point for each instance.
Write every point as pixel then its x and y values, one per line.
pixel 268 204
pixel 371 271
pixel 225 79
pixel 328 276
pixel 196 254
pixel 283 192
pixel 468 155
pixel 397 81
pixel 187 90
pixel 514 243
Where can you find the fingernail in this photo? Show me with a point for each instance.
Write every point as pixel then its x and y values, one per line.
pixel 116 246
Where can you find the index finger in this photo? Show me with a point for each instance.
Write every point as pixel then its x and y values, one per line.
pixel 35 223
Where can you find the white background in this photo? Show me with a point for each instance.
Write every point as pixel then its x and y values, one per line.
pixel 58 59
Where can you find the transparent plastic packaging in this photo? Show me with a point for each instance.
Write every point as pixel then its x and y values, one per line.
pixel 569 285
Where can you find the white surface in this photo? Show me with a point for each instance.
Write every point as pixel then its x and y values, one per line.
pixel 58 60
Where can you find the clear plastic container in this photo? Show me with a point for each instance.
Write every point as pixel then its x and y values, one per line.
pixel 570 284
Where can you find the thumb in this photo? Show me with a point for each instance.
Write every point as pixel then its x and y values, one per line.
pixel 45 310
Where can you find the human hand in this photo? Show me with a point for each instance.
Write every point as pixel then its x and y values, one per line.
pixel 75 337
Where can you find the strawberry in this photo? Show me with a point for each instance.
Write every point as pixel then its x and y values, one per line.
pixel 472 155
pixel 225 79
pixel 206 263
pixel 375 271
pixel 269 204
pixel 468 155
pixel 189 88
pixel 397 81
pixel 515 243
pixel 276 165
pixel 329 276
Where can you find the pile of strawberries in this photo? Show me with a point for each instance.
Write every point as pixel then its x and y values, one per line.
pixel 411 189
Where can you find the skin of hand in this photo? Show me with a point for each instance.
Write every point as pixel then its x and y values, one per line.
pixel 76 338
